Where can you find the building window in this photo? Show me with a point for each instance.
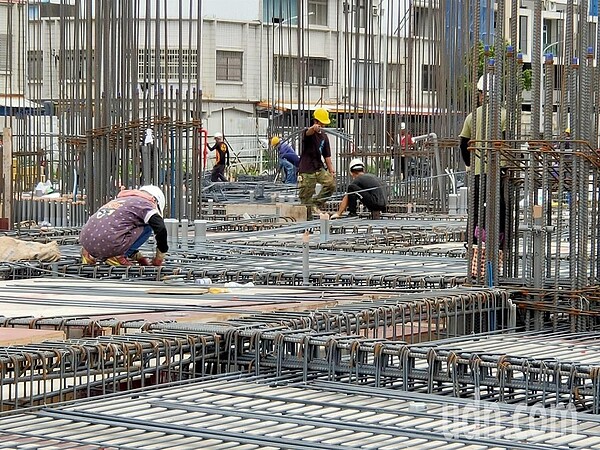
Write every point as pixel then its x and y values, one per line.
pixel 523 35
pixel 428 77
pixel 229 65
pixel 35 65
pixel 315 70
pixel 5 53
pixel 393 76
pixel 277 11
pixel 74 64
pixel 360 14
pixel 286 69
pixel 170 63
pixel 34 12
pixel 559 71
pixel 317 12
pixel 365 74
pixel 424 22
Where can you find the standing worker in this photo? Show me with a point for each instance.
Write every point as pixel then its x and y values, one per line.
pixel 466 135
pixel 288 159
pixel 405 141
pixel 221 159
pixel 365 187
pixel 315 163
pixel 120 227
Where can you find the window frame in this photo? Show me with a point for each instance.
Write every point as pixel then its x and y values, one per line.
pixel 317 12
pixel 285 70
pixel 35 66
pixel 428 77
pixel 5 53
pixel 223 58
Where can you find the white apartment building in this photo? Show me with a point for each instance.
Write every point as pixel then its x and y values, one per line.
pixel 252 59
pixel 254 56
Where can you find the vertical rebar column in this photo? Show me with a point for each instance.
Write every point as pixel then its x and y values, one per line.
pixel 549 95
pixel 184 234
pixel 63 212
pixel 46 211
pixel 536 70
pixel 511 88
pixel 146 166
pixel 492 172
pixel 305 259
pixel 52 212
pixel 585 86
pixel 199 233
pixel 324 227
pixel 172 228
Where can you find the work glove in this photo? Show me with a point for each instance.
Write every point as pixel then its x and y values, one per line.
pixel 159 258
pixel 335 216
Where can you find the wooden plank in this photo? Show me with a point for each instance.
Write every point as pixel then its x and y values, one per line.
pixel 177 291
pixel 23 336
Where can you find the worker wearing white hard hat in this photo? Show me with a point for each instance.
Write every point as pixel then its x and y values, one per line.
pixel 366 188
pixel 119 228
pixel 473 148
pixel 221 150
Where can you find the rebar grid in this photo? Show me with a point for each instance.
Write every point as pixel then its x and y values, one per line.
pixel 51 372
pixel 537 371
pixel 57 371
pixel 276 412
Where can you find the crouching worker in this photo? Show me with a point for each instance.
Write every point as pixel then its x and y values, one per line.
pixel 119 228
pixel 365 187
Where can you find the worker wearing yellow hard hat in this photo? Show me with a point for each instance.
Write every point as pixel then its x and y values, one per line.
pixel 315 164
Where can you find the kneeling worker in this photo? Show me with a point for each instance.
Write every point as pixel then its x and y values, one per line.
pixel 119 228
pixel 365 187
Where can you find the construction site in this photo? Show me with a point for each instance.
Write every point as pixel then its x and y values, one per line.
pixel 463 317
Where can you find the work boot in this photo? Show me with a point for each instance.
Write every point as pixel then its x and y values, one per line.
pixel 375 215
pixel 120 260
pixel 86 258
pixel 140 259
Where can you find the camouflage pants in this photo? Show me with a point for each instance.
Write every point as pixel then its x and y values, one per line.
pixel 308 182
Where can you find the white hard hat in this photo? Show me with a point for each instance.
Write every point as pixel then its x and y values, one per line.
pixel 490 82
pixel 356 165
pixel 218 135
pixel 402 126
pixel 157 193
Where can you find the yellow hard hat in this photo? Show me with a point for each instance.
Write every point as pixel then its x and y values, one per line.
pixel 568 130
pixel 322 115
pixel 275 140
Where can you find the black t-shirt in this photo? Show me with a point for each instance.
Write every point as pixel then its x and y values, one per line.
pixel 368 181
pixel 222 154
pixel 314 147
